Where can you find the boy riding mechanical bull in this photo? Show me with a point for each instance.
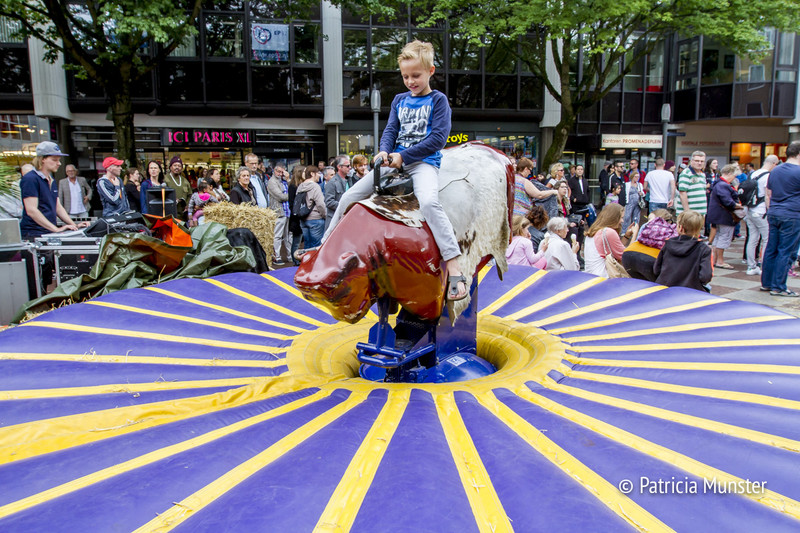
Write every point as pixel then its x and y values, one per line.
pixel 382 247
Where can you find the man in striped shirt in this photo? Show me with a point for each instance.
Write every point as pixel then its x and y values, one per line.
pixel 692 186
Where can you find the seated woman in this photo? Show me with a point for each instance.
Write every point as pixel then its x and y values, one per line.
pixel 560 255
pixel 520 251
pixel 603 239
pixel 538 219
pixel 639 258
pixel 243 192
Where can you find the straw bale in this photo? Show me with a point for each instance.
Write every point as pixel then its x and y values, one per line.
pixel 258 220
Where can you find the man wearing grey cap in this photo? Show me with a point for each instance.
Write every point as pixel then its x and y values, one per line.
pixel 41 207
pixel 39 191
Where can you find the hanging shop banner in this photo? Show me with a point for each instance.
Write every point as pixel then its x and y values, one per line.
pixel 205 137
pixel 270 42
pixel 630 141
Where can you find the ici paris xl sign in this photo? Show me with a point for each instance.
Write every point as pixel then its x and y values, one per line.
pixel 205 137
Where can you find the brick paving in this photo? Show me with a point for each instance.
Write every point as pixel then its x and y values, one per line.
pixel 737 285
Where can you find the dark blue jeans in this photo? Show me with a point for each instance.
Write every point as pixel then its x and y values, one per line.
pixel 657 205
pixel 784 238
pixel 313 230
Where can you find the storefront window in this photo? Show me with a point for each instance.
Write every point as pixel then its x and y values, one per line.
pixel 354 48
pixel 512 145
pixel 718 63
pixel 463 54
pixel 746 153
pixel 223 36
pixel 386 46
pixel 361 143
pixel 306 43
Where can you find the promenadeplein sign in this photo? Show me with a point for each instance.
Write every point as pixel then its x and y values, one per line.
pixel 630 141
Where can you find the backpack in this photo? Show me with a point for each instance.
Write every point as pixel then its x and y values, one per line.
pixel 300 207
pixel 748 191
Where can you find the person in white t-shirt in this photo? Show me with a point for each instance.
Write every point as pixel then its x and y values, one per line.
pixel 660 184
pixel 757 225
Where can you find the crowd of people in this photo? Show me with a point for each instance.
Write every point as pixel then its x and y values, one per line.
pixel 664 226
pixel 43 199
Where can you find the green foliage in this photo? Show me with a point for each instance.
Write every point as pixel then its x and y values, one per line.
pixel 9 180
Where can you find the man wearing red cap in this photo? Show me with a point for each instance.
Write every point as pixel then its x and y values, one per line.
pixel 112 194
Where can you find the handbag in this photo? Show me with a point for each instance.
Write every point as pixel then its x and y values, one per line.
pixel 613 267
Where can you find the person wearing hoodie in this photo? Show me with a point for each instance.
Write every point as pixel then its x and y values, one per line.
pixel 313 225
pixel 685 260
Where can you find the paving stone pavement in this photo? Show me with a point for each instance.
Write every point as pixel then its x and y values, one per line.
pixel 737 285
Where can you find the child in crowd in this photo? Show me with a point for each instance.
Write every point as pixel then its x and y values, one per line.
pixel 417 130
pixel 685 260
pixel 520 251
pixel 613 196
pixel 199 200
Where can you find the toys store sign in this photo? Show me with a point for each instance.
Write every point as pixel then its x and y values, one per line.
pixel 206 137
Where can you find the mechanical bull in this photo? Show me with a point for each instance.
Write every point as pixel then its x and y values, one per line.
pixel 382 247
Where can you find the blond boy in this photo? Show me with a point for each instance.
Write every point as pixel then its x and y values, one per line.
pixel 417 130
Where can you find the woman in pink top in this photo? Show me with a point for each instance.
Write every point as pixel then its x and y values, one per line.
pixel 603 238
pixel 520 251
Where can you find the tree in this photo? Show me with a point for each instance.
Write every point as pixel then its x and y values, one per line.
pixel 108 42
pixel 599 34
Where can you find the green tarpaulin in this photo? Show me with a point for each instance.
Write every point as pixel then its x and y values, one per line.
pixel 129 260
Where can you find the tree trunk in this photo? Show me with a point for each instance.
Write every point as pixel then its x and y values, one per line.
pixel 560 134
pixel 122 115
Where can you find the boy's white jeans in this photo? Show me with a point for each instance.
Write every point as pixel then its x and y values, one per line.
pixel 426 188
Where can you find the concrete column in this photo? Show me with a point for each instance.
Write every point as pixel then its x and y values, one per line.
pixel 48 83
pixel 552 109
pixel 332 78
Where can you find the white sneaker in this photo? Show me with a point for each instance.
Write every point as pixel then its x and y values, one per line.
pixel 753 271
